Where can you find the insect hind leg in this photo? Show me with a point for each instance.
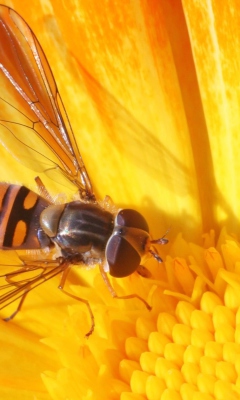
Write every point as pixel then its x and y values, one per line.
pixel 43 190
pixel 18 307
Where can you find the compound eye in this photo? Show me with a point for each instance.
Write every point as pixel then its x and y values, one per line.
pixel 122 258
pixel 132 219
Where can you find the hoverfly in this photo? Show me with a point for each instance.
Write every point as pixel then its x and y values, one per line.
pixel 81 232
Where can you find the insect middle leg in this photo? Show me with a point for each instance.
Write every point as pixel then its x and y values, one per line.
pixel 61 287
pixel 114 294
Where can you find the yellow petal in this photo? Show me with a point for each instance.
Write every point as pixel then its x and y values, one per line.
pixel 158 130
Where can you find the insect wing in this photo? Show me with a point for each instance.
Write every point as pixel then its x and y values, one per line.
pixel 21 279
pixel 31 110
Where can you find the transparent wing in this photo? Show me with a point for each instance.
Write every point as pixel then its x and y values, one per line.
pixel 34 126
pixel 18 280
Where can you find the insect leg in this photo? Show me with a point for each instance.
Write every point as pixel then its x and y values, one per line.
pixel 61 287
pixel 143 271
pixel 18 307
pixel 42 189
pixel 114 294
pixel 10 297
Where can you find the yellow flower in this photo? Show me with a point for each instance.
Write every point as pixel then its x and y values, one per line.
pixel 151 90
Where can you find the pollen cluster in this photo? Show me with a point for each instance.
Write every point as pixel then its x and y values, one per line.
pixel 186 348
pixel 194 352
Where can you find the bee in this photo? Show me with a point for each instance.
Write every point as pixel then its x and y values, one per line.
pixel 81 232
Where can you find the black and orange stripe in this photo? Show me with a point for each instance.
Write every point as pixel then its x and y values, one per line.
pixel 20 210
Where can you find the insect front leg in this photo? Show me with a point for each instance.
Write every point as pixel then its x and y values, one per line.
pixel 114 294
pixel 61 287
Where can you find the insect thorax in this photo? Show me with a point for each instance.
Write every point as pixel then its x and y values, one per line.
pixel 78 227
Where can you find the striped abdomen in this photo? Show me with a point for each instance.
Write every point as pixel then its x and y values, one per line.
pixel 19 217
